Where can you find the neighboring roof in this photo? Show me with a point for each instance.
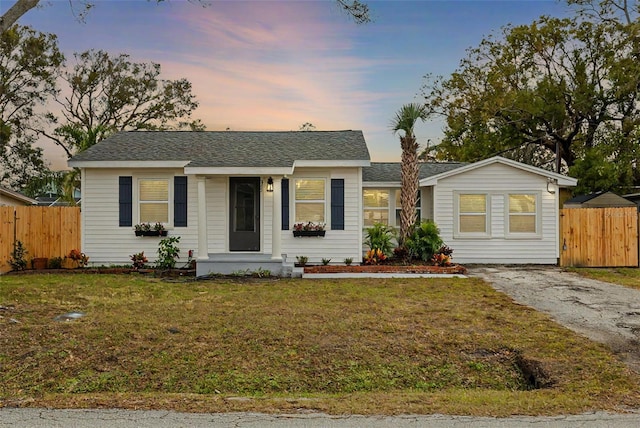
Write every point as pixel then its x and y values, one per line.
pixel 599 200
pixel 561 180
pixel 226 149
pixel 17 196
pixel 390 172
pixel 54 201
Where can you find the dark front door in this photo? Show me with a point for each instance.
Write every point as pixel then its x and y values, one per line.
pixel 244 214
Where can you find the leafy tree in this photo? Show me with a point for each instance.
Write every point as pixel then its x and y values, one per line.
pixel 405 121
pixel 555 87
pixel 29 63
pixel 111 93
pixel 307 126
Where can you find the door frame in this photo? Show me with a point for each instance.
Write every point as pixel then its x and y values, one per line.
pixel 256 239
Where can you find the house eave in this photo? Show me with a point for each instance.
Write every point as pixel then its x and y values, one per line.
pixel 377 184
pixel 237 171
pixel 561 180
pixel 328 163
pixel 127 164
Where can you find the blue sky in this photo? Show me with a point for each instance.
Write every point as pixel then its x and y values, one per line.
pixel 274 65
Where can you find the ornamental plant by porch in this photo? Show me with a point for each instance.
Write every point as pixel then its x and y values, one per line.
pixel 308 226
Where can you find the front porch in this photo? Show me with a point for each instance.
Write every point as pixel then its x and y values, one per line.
pixel 243 263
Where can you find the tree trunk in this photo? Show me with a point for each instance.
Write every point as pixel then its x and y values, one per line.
pixel 409 190
pixel 15 12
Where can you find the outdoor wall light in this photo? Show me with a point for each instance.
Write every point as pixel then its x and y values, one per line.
pixel 270 185
pixel 551 185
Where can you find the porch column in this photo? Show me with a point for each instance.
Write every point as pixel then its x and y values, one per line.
pixel 203 245
pixel 276 233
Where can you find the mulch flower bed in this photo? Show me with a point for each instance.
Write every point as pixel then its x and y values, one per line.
pixel 453 269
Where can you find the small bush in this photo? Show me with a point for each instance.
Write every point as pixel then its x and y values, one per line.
pixel 18 259
pixel 425 241
pixel 348 261
pixel 168 252
pixel 325 262
pixel 139 260
pixel 442 257
pixel 379 237
pixel 302 260
pixel 374 257
pixel 55 263
pixel 79 257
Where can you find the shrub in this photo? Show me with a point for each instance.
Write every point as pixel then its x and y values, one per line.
pixel 442 257
pixel 168 252
pixel 374 257
pixel 325 261
pixel 18 260
pixel 55 263
pixel 424 241
pixel 139 260
pixel 379 237
pixel 302 260
pixel 79 257
pixel 348 261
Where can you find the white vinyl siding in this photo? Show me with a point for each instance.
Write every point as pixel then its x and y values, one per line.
pixel 336 244
pixel 104 241
pixel 498 181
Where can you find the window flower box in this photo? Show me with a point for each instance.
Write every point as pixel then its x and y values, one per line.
pixel 151 233
pixel 308 229
pixel 299 233
pixel 146 229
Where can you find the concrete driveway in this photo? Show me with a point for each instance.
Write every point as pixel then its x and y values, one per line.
pixel 603 312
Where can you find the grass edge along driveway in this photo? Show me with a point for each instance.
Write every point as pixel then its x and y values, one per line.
pixel 364 346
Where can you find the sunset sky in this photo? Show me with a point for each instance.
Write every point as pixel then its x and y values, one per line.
pixel 274 65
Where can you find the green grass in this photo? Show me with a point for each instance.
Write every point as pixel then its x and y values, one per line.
pixel 629 277
pixel 382 346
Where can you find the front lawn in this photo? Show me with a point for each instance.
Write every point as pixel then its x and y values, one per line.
pixel 629 277
pixel 383 346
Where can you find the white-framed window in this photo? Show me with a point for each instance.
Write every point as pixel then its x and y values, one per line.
pixel 153 200
pixel 310 200
pixel 472 214
pixel 399 207
pixel 376 206
pixel 522 214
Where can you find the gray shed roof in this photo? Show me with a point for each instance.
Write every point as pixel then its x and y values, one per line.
pixel 229 148
pixel 599 200
pixel 391 171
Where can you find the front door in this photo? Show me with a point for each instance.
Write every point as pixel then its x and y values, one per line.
pixel 244 214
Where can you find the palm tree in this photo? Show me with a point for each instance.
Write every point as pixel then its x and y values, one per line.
pixel 405 121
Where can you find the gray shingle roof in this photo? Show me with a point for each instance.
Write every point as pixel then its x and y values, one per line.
pixel 390 171
pixel 229 148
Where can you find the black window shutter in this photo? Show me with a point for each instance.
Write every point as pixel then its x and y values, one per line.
pixel 285 204
pixel 337 204
pixel 125 186
pixel 180 201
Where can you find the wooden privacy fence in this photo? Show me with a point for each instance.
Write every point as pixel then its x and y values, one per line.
pixel 44 231
pixel 599 237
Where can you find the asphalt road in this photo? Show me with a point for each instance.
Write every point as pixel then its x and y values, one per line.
pixel 28 418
